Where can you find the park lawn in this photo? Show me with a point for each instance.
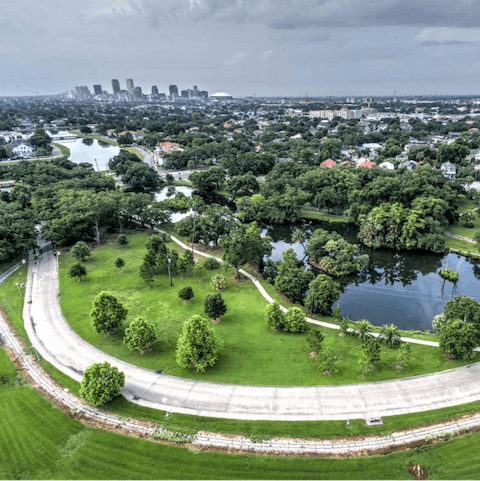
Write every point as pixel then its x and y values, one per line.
pixel 38 441
pixel 65 150
pixel 458 227
pixel 308 214
pixel 251 352
pixel 462 247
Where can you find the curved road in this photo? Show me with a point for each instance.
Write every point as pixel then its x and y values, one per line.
pixel 62 347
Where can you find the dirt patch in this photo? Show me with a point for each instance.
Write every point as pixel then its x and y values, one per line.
pixel 314 354
pixel 215 321
pixel 417 471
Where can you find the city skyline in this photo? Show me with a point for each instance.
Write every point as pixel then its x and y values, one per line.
pixel 244 47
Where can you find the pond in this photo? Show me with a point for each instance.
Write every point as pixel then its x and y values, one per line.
pixel 162 195
pixel 403 288
pixel 91 151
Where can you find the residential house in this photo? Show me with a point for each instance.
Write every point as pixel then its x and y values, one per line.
pixel 329 163
pixel 386 166
pixel 408 164
pixel 368 164
pixel 449 170
pixel 21 149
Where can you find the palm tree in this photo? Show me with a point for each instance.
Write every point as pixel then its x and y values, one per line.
pixel 363 328
pixel 300 235
pixel 390 335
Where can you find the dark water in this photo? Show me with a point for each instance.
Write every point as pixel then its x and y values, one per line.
pixel 401 288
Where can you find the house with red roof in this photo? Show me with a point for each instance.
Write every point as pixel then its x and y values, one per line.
pixel 329 163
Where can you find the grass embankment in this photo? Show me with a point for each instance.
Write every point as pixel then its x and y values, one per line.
pixel 252 353
pixel 12 305
pixel 65 150
pixel 38 441
pixel 459 227
pixel 308 214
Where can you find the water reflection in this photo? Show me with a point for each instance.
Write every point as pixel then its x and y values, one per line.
pixel 400 287
pixel 89 150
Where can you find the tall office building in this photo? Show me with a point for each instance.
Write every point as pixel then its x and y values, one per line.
pixel 137 93
pixel 130 85
pixel 173 90
pixel 97 90
pixel 115 86
pixel 154 90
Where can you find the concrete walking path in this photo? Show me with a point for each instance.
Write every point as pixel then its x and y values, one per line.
pixel 61 346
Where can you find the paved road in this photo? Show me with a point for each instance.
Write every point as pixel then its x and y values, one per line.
pixel 62 347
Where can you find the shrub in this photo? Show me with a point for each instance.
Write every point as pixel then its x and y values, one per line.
pixel 186 293
pixel 295 320
pixel 215 306
pixel 108 312
pixel 449 275
pixel 390 335
pixel 274 316
pixel 101 383
pixel 80 251
pixel 326 361
pixel 439 322
pixel 218 282
pixel 119 262
pixel 122 240
pixel 211 264
pixel 457 339
pixel 315 339
pixel 139 335
pixel 77 270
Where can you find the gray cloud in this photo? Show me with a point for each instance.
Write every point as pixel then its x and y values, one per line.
pixel 429 43
pixel 300 14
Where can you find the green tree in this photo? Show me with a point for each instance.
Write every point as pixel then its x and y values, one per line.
pixel 390 335
pixel 295 320
pixel 458 339
pixel 197 346
pixel 465 308
pixel 77 270
pixel 292 280
pixel 404 355
pixel 147 272
pixel 119 262
pixel 140 335
pixel 80 251
pixel 326 361
pixel 323 291
pixel 468 218
pixel 438 323
pixel 245 245
pixel 186 293
pixel 477 239
pixel 215 306
pixel 101 383
pixel 40 139
pixel 274 316
pixel 218 282
pixel 108 312
pixel 315 339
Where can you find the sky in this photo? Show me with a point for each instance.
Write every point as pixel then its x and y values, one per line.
pixel 243 47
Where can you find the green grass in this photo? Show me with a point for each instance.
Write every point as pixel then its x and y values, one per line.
pixel 465 247
pixel 458 228
pixel 307 214
pixel 247 341
pixel 65 150
pixel 38 441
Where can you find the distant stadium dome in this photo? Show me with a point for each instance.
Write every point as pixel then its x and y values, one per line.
pixel 221 96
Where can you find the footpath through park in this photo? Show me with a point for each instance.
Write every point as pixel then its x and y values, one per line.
pixel 56 341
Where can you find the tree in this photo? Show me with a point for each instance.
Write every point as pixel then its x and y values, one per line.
pixel 122 240
pixel 477 239
pixel 371 350
pixel 323 291
pixel 41 140
pixel 326 361
pixel 274 316
pixel 80 251
pixel 295 320
pixel 156 242
pixel 108 312
pixel 119 262
pixel 404 355
pixel 147 271
pixel 186 293
pixel 363 329
pixel 215 306
pixel 458 338
pixel 101 383
pixel 77 270
pixel 390 335
pixel 292 280
pixel 465 308
pixel 140 335
pixel 197 346
pixel 315 339
pixel 468 218
pixel 439 322
pixel 218 282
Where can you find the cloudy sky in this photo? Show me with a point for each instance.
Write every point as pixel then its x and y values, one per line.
pixel 243 47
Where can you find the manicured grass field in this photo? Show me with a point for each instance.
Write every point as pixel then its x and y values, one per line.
pixel 308 214
pixel 38 441
pixel 459 228
pixel 65 150
pixel 251 353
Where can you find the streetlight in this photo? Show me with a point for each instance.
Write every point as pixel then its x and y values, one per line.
pixel 169 261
